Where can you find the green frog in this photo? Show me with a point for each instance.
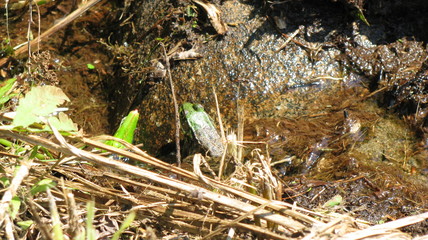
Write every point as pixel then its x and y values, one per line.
pixel 203 128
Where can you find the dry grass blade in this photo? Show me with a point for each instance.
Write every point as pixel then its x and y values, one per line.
pixel 11 191
pixel 242 217
pixel 386 227
pixel 214 15
pixel 283 207
pixel 288 223
pixel 39 223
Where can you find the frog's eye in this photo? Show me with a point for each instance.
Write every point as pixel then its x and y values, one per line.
pixel 198 107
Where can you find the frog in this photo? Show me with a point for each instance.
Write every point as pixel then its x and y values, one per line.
pixel 203 128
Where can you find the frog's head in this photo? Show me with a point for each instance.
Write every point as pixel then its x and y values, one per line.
pixel 198 107
pixel 190 108
pixel 187 108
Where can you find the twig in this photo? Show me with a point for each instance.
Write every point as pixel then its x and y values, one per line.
pixel 38 26
pixel 374 92
pixel 29 35
pixel 240 135
pixel 73 229
pixel 220 122
pixel 289 38
pixel 223 136
pixel 177 114
pixel 42 227
pixel 56 222
pixel 8 229
pixel 11 191
pixel 7 21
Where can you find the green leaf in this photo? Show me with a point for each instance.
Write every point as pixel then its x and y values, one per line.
pixel 62 123
pixel 90 66
pixel 41 2
pixel 334 201
pixel 6 98
pixel 25 224
pixel 5 87
pixel 5 181
pixel 42 186
pixel 40 101
pixel 15 205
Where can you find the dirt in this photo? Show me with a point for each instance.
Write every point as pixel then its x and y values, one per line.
pixel 62 60
pixel 366 142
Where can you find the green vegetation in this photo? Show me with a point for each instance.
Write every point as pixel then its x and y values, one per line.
pixel 126 130
pixel 6 49
pixel 90 66
pixel 41 105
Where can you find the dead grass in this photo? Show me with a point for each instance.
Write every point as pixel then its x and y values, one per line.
pixel 170 202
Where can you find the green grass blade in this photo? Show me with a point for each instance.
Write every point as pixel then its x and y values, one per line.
pixel 129 219
pixel 90 214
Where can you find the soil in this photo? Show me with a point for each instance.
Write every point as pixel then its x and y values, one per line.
pixel 367 143
pixel 62 60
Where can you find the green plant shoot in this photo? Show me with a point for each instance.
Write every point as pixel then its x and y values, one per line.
pixel 126 129
pixel 90 215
